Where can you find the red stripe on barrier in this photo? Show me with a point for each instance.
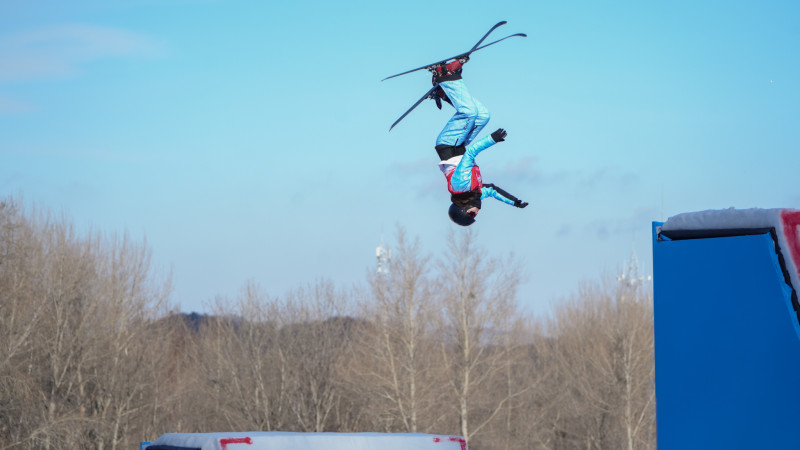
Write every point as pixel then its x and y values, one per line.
pixel 460 440
pixel 224 442
pixel 791 232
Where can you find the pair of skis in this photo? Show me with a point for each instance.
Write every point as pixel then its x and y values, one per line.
pixel 433 66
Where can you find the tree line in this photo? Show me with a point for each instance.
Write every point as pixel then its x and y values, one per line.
pixel 93 354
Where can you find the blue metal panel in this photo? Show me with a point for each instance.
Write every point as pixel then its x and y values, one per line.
pixel 726 344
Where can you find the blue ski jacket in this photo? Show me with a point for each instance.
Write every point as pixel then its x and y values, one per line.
pixel 463 175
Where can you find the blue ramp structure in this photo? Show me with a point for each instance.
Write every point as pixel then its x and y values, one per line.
pixel 727 329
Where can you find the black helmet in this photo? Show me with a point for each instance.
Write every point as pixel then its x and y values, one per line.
pixel 460 216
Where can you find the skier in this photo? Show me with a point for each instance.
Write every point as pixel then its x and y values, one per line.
pixel 457 148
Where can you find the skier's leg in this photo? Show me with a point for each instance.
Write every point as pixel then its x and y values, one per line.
pixel 481 119
pixel 461 126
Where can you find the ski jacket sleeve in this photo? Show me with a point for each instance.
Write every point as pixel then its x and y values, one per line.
pixel 490 190
pixel 479 145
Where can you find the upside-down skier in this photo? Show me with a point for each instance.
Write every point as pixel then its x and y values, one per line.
pixel 457 147
pixel 456 144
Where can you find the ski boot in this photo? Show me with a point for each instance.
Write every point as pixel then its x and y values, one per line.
pixel 448 72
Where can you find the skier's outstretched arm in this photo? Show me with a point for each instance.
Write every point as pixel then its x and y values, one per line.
pixel 482 144
pixel 490 190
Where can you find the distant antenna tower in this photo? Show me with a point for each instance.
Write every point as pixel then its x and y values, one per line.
pixel 630 278
pixel 384 255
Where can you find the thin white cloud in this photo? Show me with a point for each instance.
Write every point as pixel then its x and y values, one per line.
pixel 59 51
pixel 415 167
pixel 639 218
pixel 529 170
pixel 608 177
pixel 525 170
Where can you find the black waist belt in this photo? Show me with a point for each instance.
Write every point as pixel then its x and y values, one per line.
pixel 448 151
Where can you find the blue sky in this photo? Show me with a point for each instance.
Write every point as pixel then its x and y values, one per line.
pixel 248 140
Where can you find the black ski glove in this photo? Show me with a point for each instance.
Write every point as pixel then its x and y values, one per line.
pixel 499 135
pixel 520 203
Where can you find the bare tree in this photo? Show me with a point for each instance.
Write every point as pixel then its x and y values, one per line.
pixel 478 333
pixel 393 361
pixel 172 401
pixel 603 348
pixel 270 364
pixel 21 315
pixel 316 334
pixel 127 303
pixel 525 374
pixel 73 310
pixel 244 363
